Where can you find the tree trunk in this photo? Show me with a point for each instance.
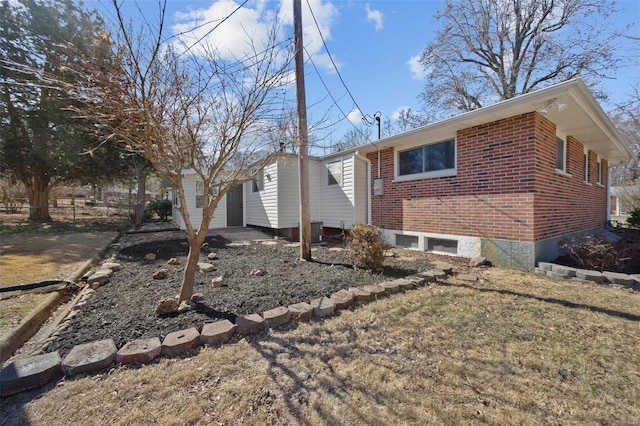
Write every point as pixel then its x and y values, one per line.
pixel 188 278
pixel 38 192
pixel 140 197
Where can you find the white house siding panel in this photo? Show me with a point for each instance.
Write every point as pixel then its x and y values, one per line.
pixel 361 196
pixel 336 203
pixel 288 190
pixel 219 219
pixel 261 208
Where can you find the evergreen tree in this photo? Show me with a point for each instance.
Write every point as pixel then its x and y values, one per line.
pixel 43 142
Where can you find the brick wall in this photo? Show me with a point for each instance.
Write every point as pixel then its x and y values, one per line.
pixel 566 204
pixel 504 170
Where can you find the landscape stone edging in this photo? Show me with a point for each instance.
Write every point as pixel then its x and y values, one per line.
pixel 556 271
pixel 24 382
pixel 28 327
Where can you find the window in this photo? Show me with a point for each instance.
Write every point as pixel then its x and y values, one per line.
pixel 199 194
pixel 427 158
pixel 334 173
pixel 599 171
pixel 408 241
pixel 442 246
pixel 586 167
pixel 561 150
pixel 258 182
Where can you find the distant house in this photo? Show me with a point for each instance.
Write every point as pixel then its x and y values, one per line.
pixel 507 181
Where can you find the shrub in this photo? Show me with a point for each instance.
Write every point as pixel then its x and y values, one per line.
pixel 366 247
pixel 596 254
pixel 162 208
pixel 634 219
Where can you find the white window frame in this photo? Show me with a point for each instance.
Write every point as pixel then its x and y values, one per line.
pixel 585 166
pixel 257 184
pixel 430 174
pixel 599 171
pixel 563 168
pixel 332 179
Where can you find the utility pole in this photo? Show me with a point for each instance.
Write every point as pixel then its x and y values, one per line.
pixel 304 229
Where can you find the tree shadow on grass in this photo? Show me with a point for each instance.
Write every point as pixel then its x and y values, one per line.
pixel 566 303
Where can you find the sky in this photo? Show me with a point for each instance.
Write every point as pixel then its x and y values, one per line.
pixel 373 44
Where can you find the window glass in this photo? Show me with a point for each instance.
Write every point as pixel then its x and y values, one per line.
pixel 258 182
pixel 585 167
pixel 410 162
pixel 560 153
pixel 428 158
pixel 599 171
pixel 439 156
pixel 199 194
pixel 334 173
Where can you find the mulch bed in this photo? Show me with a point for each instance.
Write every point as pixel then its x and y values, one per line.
pixel 123 309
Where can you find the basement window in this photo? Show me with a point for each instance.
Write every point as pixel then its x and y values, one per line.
pixel 407 241
pixel 439 245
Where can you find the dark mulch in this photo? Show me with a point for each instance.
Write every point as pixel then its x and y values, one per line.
pixel 123 309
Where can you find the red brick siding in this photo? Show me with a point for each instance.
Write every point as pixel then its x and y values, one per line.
pixel 491 196
pixel 505 169
pixel 565 204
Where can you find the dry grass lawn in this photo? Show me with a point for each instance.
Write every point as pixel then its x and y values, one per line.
pixel 513 348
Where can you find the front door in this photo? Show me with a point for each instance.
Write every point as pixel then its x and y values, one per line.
pixel 234 206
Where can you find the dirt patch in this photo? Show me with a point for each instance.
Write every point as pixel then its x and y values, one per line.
pixel 124 308
pixel 27 258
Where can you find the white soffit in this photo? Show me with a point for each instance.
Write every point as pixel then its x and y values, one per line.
pixel 582 117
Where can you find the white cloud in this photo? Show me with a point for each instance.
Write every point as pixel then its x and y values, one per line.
pixel 236 29
pixel 325 13
pixel 415 67
pixel 354 116
pixel 376 17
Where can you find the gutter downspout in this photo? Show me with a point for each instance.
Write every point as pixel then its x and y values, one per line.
pixel 368 162
pixel 608 194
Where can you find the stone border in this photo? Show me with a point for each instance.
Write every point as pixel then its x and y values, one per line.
pixel 35 371
pixel 562 272
pixel 29 326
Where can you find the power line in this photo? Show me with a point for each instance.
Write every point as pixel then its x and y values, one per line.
pixel 335 102
pixel 332 61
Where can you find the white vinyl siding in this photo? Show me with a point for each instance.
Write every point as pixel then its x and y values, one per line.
pixel 261 207
pixel 361 194
pixel 336 203
pixel 288 198
pixel 195 214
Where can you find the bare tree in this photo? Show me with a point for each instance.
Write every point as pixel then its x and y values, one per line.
pixel 353 137
pixel 626 117
pixel 406 120
pixel 190 108
pixel 491 50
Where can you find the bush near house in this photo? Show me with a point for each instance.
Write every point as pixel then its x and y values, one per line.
pixel 634 219
pixel 162 208
pixel 366 246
